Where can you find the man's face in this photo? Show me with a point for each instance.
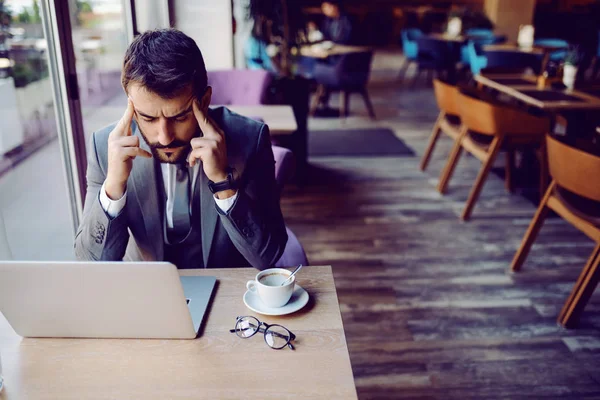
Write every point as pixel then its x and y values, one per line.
pixel 167 125
pixel 330 10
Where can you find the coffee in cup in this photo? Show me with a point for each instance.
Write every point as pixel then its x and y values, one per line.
pixel 268 286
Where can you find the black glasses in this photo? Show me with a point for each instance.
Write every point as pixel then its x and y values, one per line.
pixel 276 336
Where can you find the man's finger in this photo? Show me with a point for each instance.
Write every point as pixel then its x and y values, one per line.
pixel 195 155
pixel 208 127
pixel 197 143
pixel 128 141
pixel 123 128
pixel 133 152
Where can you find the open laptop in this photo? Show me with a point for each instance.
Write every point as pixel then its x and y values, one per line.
pixel 144 300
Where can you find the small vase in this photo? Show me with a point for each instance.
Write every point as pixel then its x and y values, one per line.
pixel 569 74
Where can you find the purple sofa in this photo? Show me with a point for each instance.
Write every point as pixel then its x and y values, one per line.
pixel 239 86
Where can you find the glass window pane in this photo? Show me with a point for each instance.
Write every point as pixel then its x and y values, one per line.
pixel 100 41
pixel 35 216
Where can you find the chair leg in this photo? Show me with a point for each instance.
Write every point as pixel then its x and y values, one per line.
pixel 451 163
pixel 532 231
pixel 416 77
pixel 544 174
pixel 430 77
pixel 481 177
pixel 508 169
pixel 317 99
pixel 403 69
pixel 582 291
pixel 344 97
pixel 432 141
pixel 367 100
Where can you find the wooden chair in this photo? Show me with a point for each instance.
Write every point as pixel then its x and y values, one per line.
pixel 573 172
pixel 488 126
pixel 448 119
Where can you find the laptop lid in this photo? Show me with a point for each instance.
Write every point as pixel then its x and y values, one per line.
pixel 95 300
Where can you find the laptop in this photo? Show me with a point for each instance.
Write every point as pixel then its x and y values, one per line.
pixel 142 300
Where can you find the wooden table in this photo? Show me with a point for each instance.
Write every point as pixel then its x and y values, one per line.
pixel 542 50
pixel 316 51
pixel 448 38
pixel 524 88
pixel 280 119
pixel 513 48
pixel 217 365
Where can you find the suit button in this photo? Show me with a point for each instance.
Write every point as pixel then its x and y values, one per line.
pixel 245 231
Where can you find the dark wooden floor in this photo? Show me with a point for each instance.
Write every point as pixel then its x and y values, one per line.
pixel 429 308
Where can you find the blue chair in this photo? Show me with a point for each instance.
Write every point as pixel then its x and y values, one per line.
pixel 437 55
pixel 410 48
pixel 479 32
pixel 562 46
pixel 513 61
pixel 476 57
pixel 480 37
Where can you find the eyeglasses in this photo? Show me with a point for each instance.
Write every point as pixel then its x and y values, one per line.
pixel 276 336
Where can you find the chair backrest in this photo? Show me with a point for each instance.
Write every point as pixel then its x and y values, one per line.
pixel 354 69
pixel 476 57
pixel 239 86
pixel 446 95
pixel 551 42
pixel 444 54
pixel 479 32
pixel 514 60
pixel 481 113
pixel 410 47
pixel 573 169
pixel 285 165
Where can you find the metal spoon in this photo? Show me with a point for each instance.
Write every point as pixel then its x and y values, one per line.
pixel 293 273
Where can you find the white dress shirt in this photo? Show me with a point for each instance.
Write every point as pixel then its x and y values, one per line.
pixel 114 207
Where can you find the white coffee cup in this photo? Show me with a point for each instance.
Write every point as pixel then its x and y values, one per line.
pixel 267 285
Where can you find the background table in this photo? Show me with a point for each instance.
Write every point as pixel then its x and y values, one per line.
pixel 315 51
pixel 517 86
pixel 280 119
pixel 218 365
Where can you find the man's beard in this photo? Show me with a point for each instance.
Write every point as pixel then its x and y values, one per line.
pixel 177 157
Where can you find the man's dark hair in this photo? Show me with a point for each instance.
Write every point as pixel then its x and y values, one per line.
pixel 165 62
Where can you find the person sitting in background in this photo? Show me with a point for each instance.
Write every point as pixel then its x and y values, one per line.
pixel 174 180
pixel 260 53
pixel 337 26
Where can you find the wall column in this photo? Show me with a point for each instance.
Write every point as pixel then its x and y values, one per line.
pixel 508 15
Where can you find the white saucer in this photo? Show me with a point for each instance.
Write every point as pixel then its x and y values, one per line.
pixel 297 301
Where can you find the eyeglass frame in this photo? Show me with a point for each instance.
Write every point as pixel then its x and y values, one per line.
pixel 288 343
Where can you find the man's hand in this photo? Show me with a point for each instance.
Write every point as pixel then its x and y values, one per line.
pixel 122 149
pixel 210 149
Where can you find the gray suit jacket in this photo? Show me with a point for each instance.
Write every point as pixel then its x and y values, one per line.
pixel 251 233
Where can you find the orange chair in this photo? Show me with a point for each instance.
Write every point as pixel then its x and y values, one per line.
pixel 487 127
pixel 574 194
pixel 448 120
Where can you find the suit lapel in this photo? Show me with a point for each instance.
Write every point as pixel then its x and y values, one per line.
pixel 145 192
pixel 208 214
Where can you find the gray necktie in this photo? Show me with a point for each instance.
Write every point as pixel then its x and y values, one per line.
pixel 181 203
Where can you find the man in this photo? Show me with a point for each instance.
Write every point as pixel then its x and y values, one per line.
pixel 174 180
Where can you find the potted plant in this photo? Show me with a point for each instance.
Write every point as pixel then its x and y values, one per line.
pixel 570 67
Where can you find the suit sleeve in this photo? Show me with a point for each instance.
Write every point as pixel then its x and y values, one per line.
pixel 254 223
pixel 99 237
